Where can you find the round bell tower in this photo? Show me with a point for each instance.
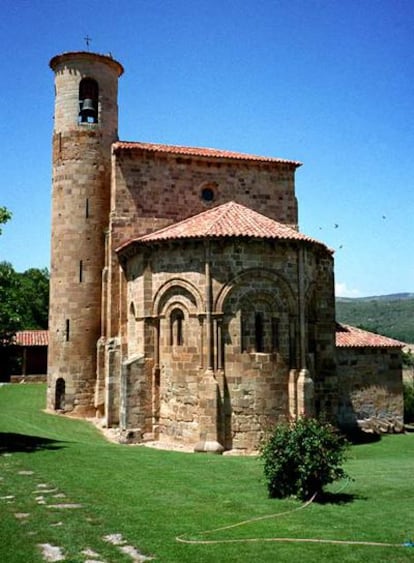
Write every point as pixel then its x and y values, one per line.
pixel 85 126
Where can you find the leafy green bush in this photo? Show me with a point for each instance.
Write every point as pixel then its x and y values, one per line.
pixel 407 359
pixel 408 402
pixel 301 457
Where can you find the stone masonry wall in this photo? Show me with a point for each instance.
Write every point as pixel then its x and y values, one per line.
pixel 252 387
pixel 155 186
pixel 370 384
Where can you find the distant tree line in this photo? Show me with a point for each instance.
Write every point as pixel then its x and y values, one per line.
pixel 389 317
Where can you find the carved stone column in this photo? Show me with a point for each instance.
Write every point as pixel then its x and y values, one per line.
pixel 305 394
pixel 208 390
pixel 292 394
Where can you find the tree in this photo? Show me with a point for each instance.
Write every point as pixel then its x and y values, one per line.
pixel 10 318
pixel 34 298
pixel 5 215
pixel 24 300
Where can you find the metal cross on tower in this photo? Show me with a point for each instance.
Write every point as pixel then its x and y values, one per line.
pixel 87 41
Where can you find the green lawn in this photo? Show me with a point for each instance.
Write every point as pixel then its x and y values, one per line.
pixel 151 497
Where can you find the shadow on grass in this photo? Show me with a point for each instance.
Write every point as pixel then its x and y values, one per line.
pixel 10 442
pixel 357 436
pixel 337 498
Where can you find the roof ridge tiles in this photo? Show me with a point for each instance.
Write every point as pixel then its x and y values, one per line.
pixel 184 150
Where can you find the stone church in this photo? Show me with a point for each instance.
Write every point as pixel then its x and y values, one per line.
pixel 185 304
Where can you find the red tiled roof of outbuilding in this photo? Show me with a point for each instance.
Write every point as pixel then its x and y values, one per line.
pixel 228 220
pixel 351 337
pixel 32 338
pixel 198 151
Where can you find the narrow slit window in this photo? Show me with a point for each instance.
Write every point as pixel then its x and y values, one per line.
pixel 259 332
pixel 312 337
pixel 176 328
pixel 132 338
pixel 292 345
pixel 67 330
pixel 275 335
pixel 179 322
pixel 80 271
pixel 87 208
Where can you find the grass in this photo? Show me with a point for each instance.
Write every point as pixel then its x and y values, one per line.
pixel 152 496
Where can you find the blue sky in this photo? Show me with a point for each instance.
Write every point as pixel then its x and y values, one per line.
pixel 329 83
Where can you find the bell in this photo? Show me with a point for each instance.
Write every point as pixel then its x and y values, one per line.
pixel 88 105
pixel 88 110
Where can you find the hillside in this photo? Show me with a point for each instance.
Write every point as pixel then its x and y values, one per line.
pixel 391 315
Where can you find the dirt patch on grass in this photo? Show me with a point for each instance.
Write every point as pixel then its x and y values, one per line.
pixel 130 550
pixel 51 552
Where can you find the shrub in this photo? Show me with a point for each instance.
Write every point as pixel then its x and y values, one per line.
pixel 407 359
pixel 408 402
pixel 302 457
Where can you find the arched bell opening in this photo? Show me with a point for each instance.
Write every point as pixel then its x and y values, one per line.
pixel 88 101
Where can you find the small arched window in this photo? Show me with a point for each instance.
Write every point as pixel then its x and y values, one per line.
pixel 176 328
pixel 88 101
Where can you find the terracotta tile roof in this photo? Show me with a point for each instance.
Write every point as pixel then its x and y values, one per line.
pixel 352 337
pixel 198 151
pixel 228 220
pixel 32 338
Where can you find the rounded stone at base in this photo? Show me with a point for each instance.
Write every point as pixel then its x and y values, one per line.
pixel 209 447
